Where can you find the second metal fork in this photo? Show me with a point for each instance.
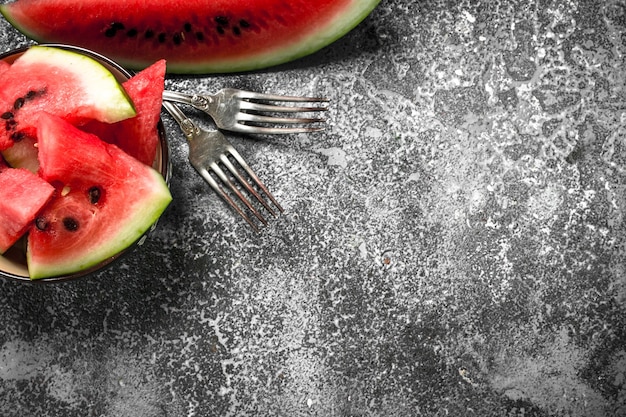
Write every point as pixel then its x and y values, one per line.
pixel 209 150
pixel 249 112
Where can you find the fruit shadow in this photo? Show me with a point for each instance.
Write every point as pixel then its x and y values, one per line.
pixel 135 295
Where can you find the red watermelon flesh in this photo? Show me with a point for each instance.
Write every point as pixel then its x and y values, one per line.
pixel 60 82
pixel 194 36
pixel 105 200
pixel 138 136
pixel 22 196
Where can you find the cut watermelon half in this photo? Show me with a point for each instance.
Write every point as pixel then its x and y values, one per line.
pixel 105 200
pixel 61 82
pixel 22 196
pixel 193 36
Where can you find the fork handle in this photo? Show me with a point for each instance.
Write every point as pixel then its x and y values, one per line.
pixel 198 101
pixel 188 127
pixel 176 97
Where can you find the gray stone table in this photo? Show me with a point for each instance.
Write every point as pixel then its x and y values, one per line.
pixel 453 244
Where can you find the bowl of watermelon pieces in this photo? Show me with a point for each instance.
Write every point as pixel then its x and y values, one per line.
pixel 84 161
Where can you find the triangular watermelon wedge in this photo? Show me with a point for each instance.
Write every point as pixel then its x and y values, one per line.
pixel 65 83
pixel 105 200
pixel 138 136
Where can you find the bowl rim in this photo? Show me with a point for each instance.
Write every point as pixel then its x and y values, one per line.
pixel 163 157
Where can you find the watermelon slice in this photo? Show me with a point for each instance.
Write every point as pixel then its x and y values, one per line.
pixel 137 136
pixel 105 200
pixel 22 196
pixel 194 36
pixel 65 83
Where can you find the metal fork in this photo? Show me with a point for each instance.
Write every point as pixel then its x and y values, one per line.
pixel 249 112
pixel 208 151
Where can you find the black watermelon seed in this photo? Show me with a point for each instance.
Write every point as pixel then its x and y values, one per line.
pixel 220 30
pixel 236 31
pixel 177 38
pixel 10 124
pixel 244 23
pixel 7 115
pixel 162 37
pixel 94 194
pixel 187 27
pixel 200 36
pixel 113 28
pixel 149 34
pixel 131 33
pixel 30 95
pixel 222 20
pixel 18 103
pixel 41 223
pixel 17 136
pixel 70 224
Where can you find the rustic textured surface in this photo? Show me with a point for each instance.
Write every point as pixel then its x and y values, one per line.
pixel 452 245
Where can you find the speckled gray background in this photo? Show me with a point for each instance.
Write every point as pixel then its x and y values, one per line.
pixel 453 244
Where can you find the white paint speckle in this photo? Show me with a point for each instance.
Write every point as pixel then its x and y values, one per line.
pixel 469 17
pixel 336 156
pixel 363 251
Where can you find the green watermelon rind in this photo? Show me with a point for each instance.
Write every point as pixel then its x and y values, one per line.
pixel 106 94
pixel 329 31
pixel 143 217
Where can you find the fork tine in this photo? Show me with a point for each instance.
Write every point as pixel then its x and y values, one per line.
pixel 220 191
pixel 277 97
pixel 243 128
pixel 255 178
pixel 246 184
pixel 257 118
pixel 220 173
pixel 250 105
